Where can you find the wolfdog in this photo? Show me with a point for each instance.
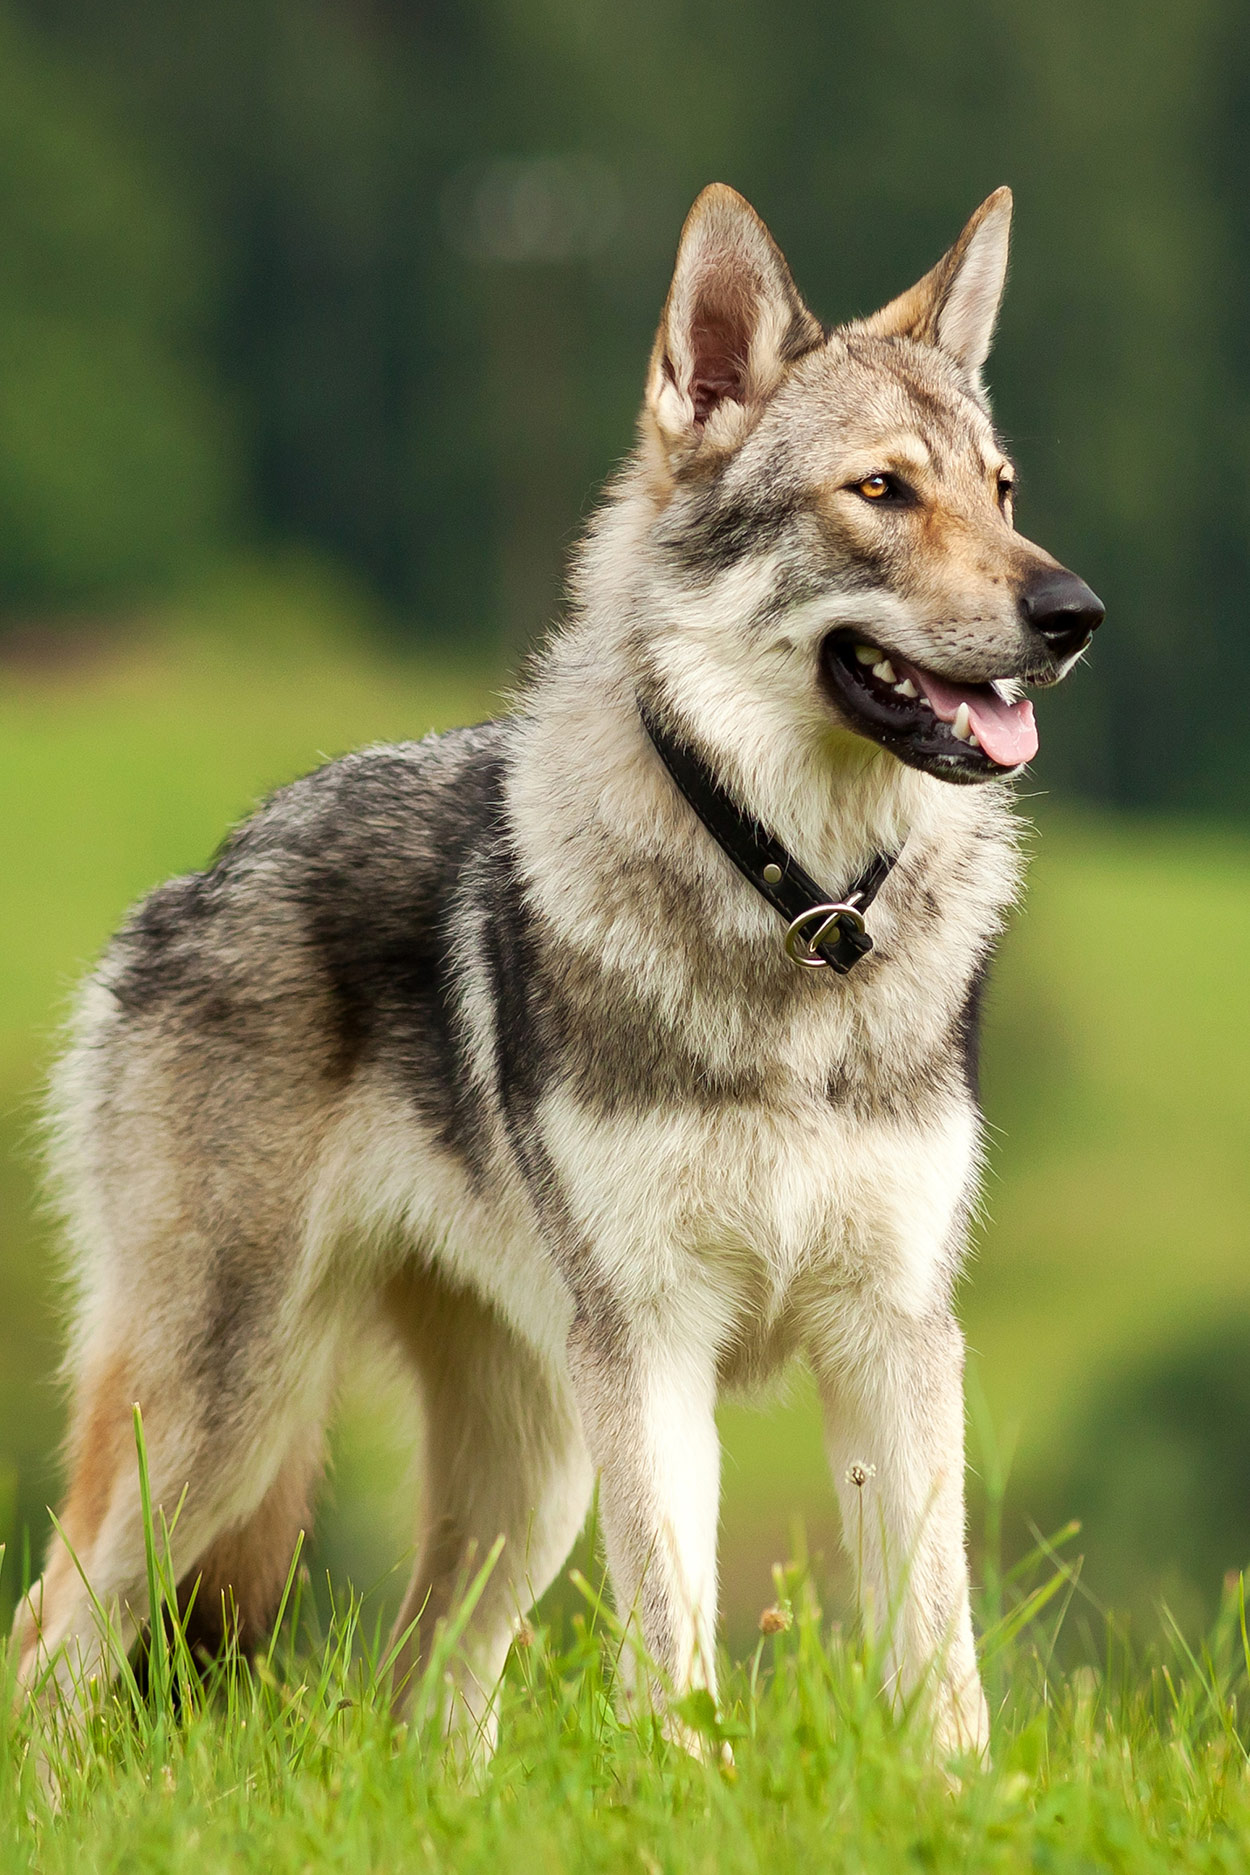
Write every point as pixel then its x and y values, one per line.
pixel 607 1055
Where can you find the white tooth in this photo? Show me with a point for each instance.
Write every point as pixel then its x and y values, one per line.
pixel 972 738
pixel 906 689
pixel 962 726
pixel 884 670
pixel 867 654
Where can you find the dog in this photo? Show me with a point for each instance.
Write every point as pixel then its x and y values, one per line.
pixel 607 1055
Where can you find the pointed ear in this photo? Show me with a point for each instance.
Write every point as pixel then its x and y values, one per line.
pixel 732 322
pixel 955 306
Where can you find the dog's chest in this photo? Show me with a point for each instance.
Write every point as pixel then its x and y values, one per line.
pixel 842 1158
pixel 723 1121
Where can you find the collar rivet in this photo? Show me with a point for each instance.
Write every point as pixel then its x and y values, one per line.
pixel 772 874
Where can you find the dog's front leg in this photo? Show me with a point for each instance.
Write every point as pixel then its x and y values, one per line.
pixel 891 1385
pixel 647 1396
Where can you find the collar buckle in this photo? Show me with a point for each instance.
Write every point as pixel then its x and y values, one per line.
pixel 842 920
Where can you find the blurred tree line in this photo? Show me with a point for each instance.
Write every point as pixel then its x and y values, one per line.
pixel 378 278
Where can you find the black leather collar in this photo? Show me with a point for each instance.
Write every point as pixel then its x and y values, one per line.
pixel 821 930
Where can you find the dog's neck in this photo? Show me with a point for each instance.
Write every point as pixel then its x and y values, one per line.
pixel 833 799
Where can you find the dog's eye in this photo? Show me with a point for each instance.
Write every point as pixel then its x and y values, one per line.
pixel 888 491
pixel 876 487
pixel 1006 490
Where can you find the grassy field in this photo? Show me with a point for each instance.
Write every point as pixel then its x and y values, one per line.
pixel 1114 1247
pixel 294 1764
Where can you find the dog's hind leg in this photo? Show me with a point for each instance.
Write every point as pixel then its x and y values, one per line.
pixel 236 1586
pixel 58 1605
pixel 504 1457
pixel 232 1428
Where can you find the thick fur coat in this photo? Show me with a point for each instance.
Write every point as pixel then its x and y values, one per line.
pixel 484 1035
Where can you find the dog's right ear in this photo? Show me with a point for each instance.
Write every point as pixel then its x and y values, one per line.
pixel 732 322
pixel 955 306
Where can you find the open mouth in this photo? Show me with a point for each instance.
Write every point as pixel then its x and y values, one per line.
pixel 960 732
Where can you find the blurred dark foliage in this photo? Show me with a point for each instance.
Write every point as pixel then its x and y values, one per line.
pixel 379 277
pixel 1158 1471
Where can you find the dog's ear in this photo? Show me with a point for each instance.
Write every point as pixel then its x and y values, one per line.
pixel 955 306
pixel 732 322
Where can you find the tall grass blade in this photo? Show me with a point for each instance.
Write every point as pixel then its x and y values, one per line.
pixel 158 1655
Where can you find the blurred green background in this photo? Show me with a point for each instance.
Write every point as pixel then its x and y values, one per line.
pixel 321 322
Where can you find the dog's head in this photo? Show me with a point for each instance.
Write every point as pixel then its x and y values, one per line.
pixel 843 496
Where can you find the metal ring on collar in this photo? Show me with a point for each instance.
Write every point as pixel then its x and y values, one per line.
pixel 801 949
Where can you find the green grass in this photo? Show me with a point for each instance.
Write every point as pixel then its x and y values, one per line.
pixel 293 1762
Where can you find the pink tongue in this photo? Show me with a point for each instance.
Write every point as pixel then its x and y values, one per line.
pixel 1006 731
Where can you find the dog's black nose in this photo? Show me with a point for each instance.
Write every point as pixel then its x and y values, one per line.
pixel 1064 610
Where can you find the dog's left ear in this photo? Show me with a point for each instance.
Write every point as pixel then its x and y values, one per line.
pixel 732 322
pixel 955 306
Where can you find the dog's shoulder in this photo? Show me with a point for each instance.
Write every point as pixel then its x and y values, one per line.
pixel 351 861
pixel 319 942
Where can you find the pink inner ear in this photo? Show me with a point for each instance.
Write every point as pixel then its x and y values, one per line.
pixel 720 339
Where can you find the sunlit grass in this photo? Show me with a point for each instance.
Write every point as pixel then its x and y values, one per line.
pixel 293 1760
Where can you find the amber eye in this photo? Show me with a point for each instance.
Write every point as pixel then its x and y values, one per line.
pixel 875 487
